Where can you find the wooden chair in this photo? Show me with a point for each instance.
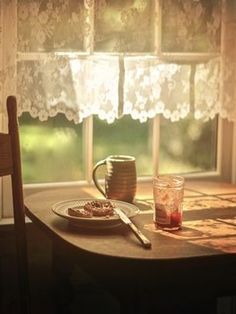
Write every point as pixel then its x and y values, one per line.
pixel 10 164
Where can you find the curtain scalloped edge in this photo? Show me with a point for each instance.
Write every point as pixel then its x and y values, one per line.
pixel 76 118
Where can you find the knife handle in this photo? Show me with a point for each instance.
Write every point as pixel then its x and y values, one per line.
pixel 146 243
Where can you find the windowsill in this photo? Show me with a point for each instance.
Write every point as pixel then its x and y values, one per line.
pixel 38 187
pixel 193 187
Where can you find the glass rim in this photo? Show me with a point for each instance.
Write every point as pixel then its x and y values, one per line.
pixel 170 181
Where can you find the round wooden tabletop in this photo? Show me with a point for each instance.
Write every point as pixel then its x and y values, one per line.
pixel 119 242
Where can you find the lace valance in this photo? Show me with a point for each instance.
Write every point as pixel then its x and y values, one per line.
pixel 114 58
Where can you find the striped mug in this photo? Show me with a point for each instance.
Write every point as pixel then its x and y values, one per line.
pixel 120 178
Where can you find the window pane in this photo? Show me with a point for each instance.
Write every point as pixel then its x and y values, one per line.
pixel 198 21
pixel 53 25
pixel 124 26
pixel 124 137
pixel 188 146
pixel 51 150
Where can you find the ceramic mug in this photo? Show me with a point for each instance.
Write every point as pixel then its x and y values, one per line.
pixel 120 179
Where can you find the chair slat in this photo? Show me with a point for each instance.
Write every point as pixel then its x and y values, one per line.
pixel 10 164
pixel 6 165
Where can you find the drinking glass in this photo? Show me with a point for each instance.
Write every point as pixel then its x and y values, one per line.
pixel 168 192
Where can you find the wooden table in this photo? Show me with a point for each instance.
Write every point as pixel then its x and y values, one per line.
pixel 200 258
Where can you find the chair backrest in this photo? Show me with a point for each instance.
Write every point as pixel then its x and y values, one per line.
pixel 10 164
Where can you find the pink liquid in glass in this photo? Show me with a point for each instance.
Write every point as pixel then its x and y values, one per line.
pixel 168 198
pixel 171 220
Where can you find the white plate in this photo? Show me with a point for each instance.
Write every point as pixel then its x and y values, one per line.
pixel 61 209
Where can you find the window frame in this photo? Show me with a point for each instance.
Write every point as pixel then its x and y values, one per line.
pixel 226 149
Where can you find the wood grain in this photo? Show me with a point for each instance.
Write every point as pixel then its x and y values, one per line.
pixel 5 155
pixel 10 164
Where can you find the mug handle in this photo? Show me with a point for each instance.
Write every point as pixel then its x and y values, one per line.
pixel 98 186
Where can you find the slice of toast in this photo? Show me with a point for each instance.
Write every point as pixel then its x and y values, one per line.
pixel 79 212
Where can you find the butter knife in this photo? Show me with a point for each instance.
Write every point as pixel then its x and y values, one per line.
pixel 142 238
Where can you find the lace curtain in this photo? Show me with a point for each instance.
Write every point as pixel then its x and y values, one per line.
pixel 111 57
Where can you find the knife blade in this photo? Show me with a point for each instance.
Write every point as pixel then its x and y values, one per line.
pixel 142 238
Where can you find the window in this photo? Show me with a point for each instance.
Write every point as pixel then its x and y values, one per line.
pixel 186 146
pixel 121 62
